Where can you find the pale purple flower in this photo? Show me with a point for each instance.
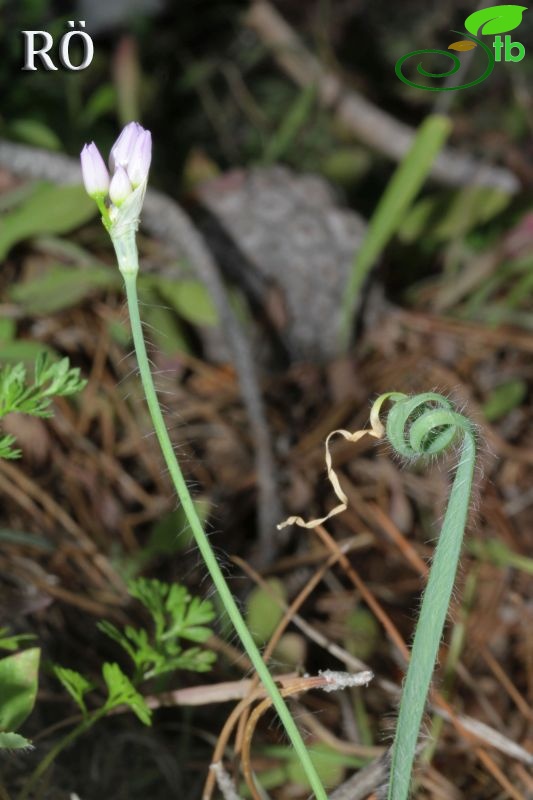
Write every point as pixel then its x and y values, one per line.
pixel 94 171
pixel 120 187
pixel 140 158
pixel 122 149
pixel 120 197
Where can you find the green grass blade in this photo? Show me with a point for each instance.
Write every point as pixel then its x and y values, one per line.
pixel 398 196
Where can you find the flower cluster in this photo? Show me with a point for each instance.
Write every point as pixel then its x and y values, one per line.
pixel 119 191
pixel 129 162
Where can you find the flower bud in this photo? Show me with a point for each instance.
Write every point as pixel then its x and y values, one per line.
pixel 141 156
pixel 120 187
pixel 94 171
pixel 129 161
pixel 121 151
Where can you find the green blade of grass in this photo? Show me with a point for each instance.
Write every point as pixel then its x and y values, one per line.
pixel 401 190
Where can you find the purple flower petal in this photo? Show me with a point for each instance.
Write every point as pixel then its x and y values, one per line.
pixel 120 186
pixel 122 149
pixel 140 158
pixel 94 171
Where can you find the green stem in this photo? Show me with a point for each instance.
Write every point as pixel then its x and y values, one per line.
pixel 52 754
pixel 457 641
pixel 432 429
pixel 204 545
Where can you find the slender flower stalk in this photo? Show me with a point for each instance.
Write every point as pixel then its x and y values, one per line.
pixel 131 155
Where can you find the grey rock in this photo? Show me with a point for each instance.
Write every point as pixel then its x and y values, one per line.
pixel 293 237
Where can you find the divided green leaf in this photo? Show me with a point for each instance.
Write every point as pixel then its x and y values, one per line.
pixel 76 685
pixel 122 692
pixel 176 616
pixel 174 611
pixel 52 379
pixel 6 447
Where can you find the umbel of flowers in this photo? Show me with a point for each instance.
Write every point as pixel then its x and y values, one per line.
pixel 119 191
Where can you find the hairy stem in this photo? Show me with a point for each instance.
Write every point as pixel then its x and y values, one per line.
pixel 422 425
pixel 204 545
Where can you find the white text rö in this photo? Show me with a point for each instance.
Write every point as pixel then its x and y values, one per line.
pixel 37 44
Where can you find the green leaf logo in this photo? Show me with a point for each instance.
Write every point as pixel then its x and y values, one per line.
pixel 497 19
